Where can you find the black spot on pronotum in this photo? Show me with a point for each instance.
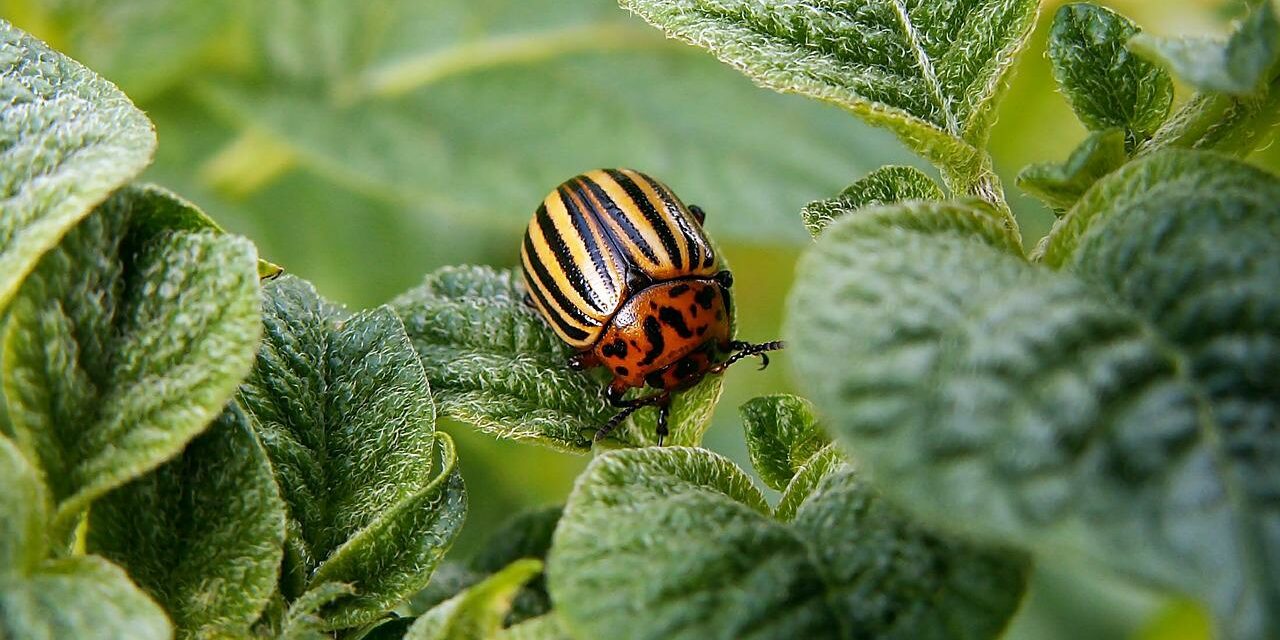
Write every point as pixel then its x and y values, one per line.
pixel 674 319
pixel 622 371
pixel 679 290
pixel 615 349
pixel 652 331
pixel 705 296
pixel 702 330
pixel 693 310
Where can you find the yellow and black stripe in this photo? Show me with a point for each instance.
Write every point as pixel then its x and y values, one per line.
pixel 598 232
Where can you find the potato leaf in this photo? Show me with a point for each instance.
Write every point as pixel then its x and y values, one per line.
pixel 1114 413
pixel 342 405
pixel 1107 85
pixel 68 139
pixel 782 435
pixel 885 185
pixel 676 543
pixel 928 71
pixel 203 534
pixel 122 345
pixel 1062 185
pixel 77 597
pixel 478 612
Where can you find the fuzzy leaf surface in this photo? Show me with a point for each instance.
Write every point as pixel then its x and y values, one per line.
pixel 343 407
pixel 782 435
pixel 203 533
pixel 478 612
pixel 78 597
pixel 1058 413
pixel 688 549
pixel 122 345
pixel 1061 185
pixel 68 138
pixel 171 211
pixel 877 562
pixel 494 363
pixel 885 185
pixel 1107 85
pixel 929 71
pixel 1198 255
pixel 1241 66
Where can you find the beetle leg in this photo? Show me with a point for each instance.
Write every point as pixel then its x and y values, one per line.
pixel 664 411
pixel 614 393
pixel 583 360
pixel 629 407
pixel 528 301
pixel 746 349
pixel 698 213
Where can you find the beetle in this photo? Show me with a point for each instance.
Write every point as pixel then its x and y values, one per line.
pixel 623 273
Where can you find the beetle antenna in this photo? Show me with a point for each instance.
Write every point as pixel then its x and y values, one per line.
pixel 630 408
pixel 747 350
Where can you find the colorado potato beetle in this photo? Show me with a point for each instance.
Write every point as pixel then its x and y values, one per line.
pixel 620 268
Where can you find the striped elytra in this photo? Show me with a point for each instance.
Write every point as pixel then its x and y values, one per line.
pixel 622 272
pixel 598 235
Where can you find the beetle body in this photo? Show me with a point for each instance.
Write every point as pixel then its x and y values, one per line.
pixel 621 269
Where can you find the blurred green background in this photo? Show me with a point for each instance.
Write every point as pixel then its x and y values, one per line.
pixel 364 144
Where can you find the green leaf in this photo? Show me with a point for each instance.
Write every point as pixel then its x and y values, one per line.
pixel 1115 416
pixel 145 46
pixel 343 408
pixel 930 72
pixel 1061 185
pixel 24 512
pixel 969 218
pixel 78 597
pixel 546 627
pixel 1241 66
pixel 878 564
pixel 1107 86
pixel 122 345
pixel 69 138
pixel 477 613
pixel 782 435
pixel 494 363
pixel 885 185
pixel 538 92
pixel 203 534
pixel 1165 177
pixel 1200 262
pixel 527 535
pixel 170 211
pixel 1217 117
pixel 676 542
pixel 825 462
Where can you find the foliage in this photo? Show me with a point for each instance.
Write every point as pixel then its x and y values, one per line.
pixel 193 444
